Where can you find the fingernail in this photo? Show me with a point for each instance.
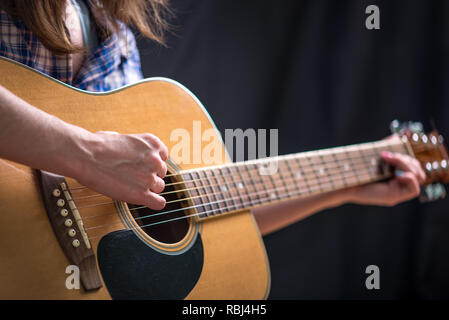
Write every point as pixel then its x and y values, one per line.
pixel 386 154
pixel 399 173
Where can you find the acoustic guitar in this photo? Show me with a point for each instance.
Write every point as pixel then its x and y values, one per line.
pixel 205 243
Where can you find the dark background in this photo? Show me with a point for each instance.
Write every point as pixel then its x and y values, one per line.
pixel 312 69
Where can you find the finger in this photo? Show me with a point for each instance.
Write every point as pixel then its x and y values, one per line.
pixel 410 187
pixel 158 166
pixel 156 143
pixel 162 170
pixel 404 163
pixel 421 174
pixel 164 152
pixel 416 167
pixel 152 140
pixel 396 160
pixel 108 132
pixel 154 201
pixel 157 185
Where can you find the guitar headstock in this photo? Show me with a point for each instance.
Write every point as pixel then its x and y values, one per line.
pixel 429 149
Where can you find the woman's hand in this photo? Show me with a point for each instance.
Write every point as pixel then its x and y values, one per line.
pixel 404 186
pixel 124 167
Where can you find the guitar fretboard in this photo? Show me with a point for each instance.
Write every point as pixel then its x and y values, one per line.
pixel 236 186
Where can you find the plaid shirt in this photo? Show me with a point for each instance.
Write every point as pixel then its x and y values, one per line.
pixel 113 64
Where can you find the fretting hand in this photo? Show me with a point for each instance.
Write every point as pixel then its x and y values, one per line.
pixel 405 185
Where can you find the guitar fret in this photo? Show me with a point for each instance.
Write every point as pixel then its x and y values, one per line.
pixel 368 156
pixel 267 181
pixel 262 182
pixel 215 190
pixel 301 170
pixel 326 172
pixel 302 178
pixel 287 162
pixel 203 193
pixel 282 179
pixel 352 163
pixel 242 185
pixel 317 178
pixel 275 195
pixel 292 186
pixel 374 161
pixel 251 186
pixel 207 194
pixel 347 170
pixel 228 187
pixel 363 173
pixel 280 185
pixel 236 186
pixel 222 189
pixel 195 194
pixel 341 174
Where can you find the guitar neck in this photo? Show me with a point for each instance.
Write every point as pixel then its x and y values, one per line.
pixel 243 185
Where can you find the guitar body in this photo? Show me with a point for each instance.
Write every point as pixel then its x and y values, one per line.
pixel 218 258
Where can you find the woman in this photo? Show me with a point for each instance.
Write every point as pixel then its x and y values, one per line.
pixel 88 44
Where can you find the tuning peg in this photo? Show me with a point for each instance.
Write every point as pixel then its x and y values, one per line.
pixel 398 127
pixel 395 126
pixel 415 127
pixel 432 192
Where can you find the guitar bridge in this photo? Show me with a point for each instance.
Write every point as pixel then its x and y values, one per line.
pixel 68 227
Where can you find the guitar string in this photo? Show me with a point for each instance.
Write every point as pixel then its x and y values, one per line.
pixel 257 193
pixel 208 194
pixel 213 202
pixel 205 212
pixel 317 186
pixel 207 178
pixel 356 165
pixel 193 215
pixel 203 187
pixel 358 147
pixel 312 166
pixel 262 181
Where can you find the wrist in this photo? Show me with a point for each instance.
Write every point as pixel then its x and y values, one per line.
pixel 78 150
pixel 341 197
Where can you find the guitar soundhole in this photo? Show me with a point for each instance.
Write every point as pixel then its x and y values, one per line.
pixel 169 225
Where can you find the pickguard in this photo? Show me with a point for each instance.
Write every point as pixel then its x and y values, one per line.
pixel 133 270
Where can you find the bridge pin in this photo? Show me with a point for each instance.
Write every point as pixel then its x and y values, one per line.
pixel 72 233
pixel 64 212
pixel 76 243
pixel 68 223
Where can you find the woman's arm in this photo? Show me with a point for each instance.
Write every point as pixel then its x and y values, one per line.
pixel 123 167
pixel 404 186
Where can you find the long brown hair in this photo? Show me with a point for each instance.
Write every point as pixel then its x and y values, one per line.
pixel 45 18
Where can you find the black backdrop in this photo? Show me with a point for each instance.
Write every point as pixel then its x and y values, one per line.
pixel 312 69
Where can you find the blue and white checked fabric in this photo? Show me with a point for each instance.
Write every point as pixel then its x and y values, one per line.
pixel 113 64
